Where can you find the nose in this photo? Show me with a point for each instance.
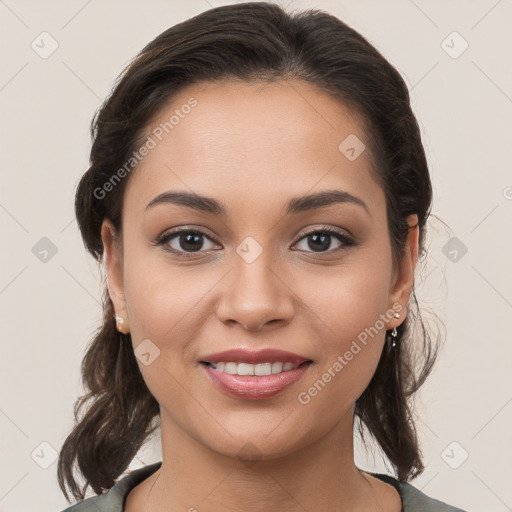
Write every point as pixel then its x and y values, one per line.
pixel 255 296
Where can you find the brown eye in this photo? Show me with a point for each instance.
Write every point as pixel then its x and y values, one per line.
pixel 320 240
pixel 184 242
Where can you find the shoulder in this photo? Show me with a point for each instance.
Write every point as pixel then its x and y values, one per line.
pixel 114 499
pixel 414 500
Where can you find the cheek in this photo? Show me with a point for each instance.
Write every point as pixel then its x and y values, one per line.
pixel 163 306
pixel 160 300
pixel 351 298
pixel 351 305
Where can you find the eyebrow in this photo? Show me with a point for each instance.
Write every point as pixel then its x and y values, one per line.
pixel 295 205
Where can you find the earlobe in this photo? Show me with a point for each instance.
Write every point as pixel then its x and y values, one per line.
pixel 112 259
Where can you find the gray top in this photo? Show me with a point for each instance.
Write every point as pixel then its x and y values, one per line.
pixel 413 500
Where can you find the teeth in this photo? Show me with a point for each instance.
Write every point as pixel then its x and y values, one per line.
pixel 254 369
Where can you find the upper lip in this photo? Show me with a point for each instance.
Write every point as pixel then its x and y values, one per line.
pixel 247 356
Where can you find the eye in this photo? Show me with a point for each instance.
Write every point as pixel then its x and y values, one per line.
pixel 184 242
pixel 320 240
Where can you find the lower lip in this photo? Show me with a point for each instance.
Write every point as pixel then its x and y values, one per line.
pixel 253 387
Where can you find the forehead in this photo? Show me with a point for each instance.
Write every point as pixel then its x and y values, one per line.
pixel 255 140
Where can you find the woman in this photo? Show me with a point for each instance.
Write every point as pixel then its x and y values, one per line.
pixel 258 193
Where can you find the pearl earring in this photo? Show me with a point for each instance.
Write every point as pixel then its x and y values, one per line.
pixel 120 325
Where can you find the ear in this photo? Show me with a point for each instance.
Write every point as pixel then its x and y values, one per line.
pixel 403 276
pixel 112 257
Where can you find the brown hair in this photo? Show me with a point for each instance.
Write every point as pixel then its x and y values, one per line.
pixel 249 41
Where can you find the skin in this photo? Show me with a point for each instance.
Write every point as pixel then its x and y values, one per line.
pixel 253 147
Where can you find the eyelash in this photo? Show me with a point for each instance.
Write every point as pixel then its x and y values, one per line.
pixel 166 237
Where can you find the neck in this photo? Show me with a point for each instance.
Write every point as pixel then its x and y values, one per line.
pixel 319 476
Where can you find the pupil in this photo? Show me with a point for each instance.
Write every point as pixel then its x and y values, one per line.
pixel 186 243
pixel 324 244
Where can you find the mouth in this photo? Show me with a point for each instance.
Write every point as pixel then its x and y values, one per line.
pixel 259 381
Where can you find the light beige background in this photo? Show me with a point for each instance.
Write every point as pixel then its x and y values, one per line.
pixel 50 309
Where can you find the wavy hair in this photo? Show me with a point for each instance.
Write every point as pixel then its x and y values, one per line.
pixel 254 41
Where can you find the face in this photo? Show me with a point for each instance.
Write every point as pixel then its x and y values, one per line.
pixel 258 274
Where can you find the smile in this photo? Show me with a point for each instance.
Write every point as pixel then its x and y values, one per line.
pixel 254 381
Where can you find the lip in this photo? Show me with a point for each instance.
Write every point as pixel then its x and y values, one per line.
pixel 247 356
pixel 252 387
